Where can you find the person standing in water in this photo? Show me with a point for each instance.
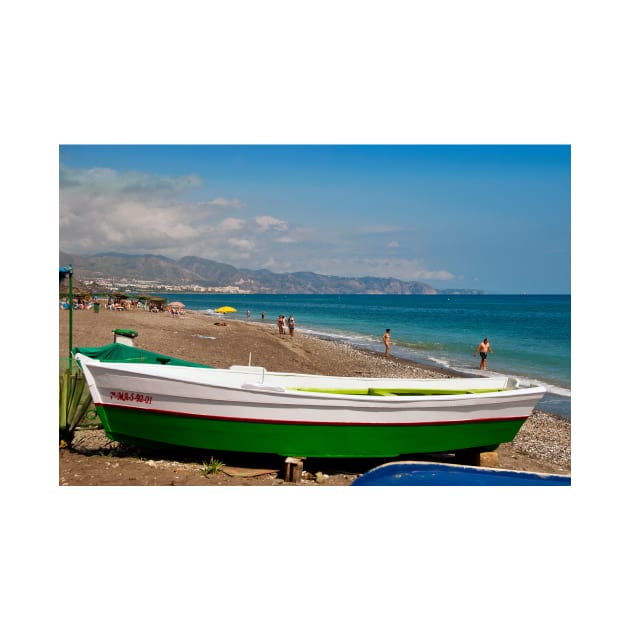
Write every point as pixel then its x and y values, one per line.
pixel 387 340
pixel 483 348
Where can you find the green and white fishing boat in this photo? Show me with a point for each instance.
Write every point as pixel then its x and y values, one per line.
pixel 161 400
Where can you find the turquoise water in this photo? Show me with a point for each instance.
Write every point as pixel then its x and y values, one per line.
pixel 530 334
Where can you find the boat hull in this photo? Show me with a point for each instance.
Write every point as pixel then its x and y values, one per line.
pixel 223 411
pixel 299 439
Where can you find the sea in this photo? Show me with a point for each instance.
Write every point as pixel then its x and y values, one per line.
pixel 529 334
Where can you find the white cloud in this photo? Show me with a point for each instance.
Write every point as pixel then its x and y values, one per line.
pixel 103 210
pixel 230 224
pixel 130 184
pixel 435 275
pixel 226 203
pixel 403 269
pixel 242 244
pixel 271 223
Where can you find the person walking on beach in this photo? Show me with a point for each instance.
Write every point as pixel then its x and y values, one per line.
pixel 387 340
pixel 483 348
pixel 291 326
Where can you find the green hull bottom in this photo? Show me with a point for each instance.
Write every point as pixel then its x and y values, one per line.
pixel 144 428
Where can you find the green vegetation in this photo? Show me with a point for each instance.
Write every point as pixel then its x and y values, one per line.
pixel 211 466
pixel 74 401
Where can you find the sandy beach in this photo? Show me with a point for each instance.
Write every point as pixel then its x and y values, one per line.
pixel 542 445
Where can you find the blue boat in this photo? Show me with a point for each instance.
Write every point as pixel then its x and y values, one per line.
pixel 435 474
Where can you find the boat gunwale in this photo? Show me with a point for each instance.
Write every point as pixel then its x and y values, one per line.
pixel 169 374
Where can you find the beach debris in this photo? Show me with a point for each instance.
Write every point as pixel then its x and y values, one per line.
pixel 237 471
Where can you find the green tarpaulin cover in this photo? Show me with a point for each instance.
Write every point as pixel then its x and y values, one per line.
pixel 120 353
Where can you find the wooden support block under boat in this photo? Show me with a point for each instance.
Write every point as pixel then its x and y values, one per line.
pixel 293 467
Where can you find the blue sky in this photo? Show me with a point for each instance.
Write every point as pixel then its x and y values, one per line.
pixel 489 217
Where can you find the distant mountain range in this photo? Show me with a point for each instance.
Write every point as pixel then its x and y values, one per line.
pixel 160 272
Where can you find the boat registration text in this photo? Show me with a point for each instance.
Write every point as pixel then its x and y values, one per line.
pixel 131 397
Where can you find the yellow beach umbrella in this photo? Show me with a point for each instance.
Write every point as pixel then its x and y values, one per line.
pixel 225 309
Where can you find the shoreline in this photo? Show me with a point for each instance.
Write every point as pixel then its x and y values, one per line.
pixel 552 402
pixel 431 344
pixel 542 445
pixel 544 405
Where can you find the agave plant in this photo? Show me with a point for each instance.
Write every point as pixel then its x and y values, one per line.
pixel 211 466
pixel 74 400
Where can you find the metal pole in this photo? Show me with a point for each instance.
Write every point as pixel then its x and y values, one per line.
pixel 71 302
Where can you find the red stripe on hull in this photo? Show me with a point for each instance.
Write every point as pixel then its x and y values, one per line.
pixel 316 422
